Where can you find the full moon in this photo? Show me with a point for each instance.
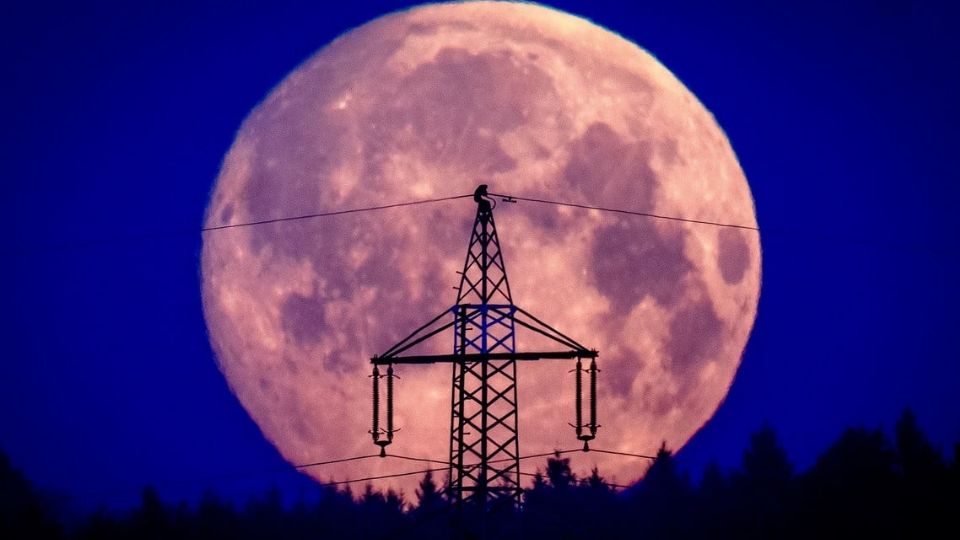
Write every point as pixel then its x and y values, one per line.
pixel 429 103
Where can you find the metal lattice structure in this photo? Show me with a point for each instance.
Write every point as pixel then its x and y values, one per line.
pixel 484 439
pixel 484 445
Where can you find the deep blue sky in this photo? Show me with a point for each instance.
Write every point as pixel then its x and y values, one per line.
pixel 116 117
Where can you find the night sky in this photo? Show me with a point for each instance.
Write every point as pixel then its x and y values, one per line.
pixel 116 117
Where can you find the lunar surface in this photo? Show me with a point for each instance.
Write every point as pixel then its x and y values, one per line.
pixel 430 103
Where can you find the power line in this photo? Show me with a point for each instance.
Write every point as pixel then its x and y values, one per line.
pixel 628 454
pixel 425 471
pixel 332 461
pixel 581 450
pixel 333 213
pixel 447 465
pixel 381 477
pixel 183 232
pixel 425 460
pixel 544 454
pixel 768 230
pixel 630 212
pixel 156 235
pixel 273 470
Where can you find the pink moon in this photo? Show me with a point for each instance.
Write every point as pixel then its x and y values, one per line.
pixel 430 103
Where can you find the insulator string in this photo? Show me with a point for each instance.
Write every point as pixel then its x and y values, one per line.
pixel 390 403
pixel 593 397
pixel 376 405
pixel 579 398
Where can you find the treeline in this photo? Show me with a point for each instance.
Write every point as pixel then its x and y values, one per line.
pixel 865 484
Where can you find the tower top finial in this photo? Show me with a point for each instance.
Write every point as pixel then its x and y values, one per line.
pixel 481 193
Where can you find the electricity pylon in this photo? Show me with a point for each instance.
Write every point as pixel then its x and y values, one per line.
pixel 484 439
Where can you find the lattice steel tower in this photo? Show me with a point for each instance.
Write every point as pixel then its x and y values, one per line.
pixel 484 440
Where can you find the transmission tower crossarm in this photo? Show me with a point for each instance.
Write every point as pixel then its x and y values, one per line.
pixel 480 357
pixel 506 313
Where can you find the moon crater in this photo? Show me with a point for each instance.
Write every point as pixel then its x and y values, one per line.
pixel 733 255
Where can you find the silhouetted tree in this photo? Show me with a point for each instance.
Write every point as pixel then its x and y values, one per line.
pixel 762 490
pixel 23 511
pixel 265 517
pixel 214 519
pixel 551 503
pixel 595 481
pixel 151 520
pixel 100 526
pixel 595 500
pixel 429 498
pixel 712 507
pixel 766 468
pixel 539 483
pixel 955 465
pixel 559 473
pixel 431 517
pixel 852 488
pixel 380 512
pixel 925 485
pixel 953 500
pixel 662 500
pixel 917 458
